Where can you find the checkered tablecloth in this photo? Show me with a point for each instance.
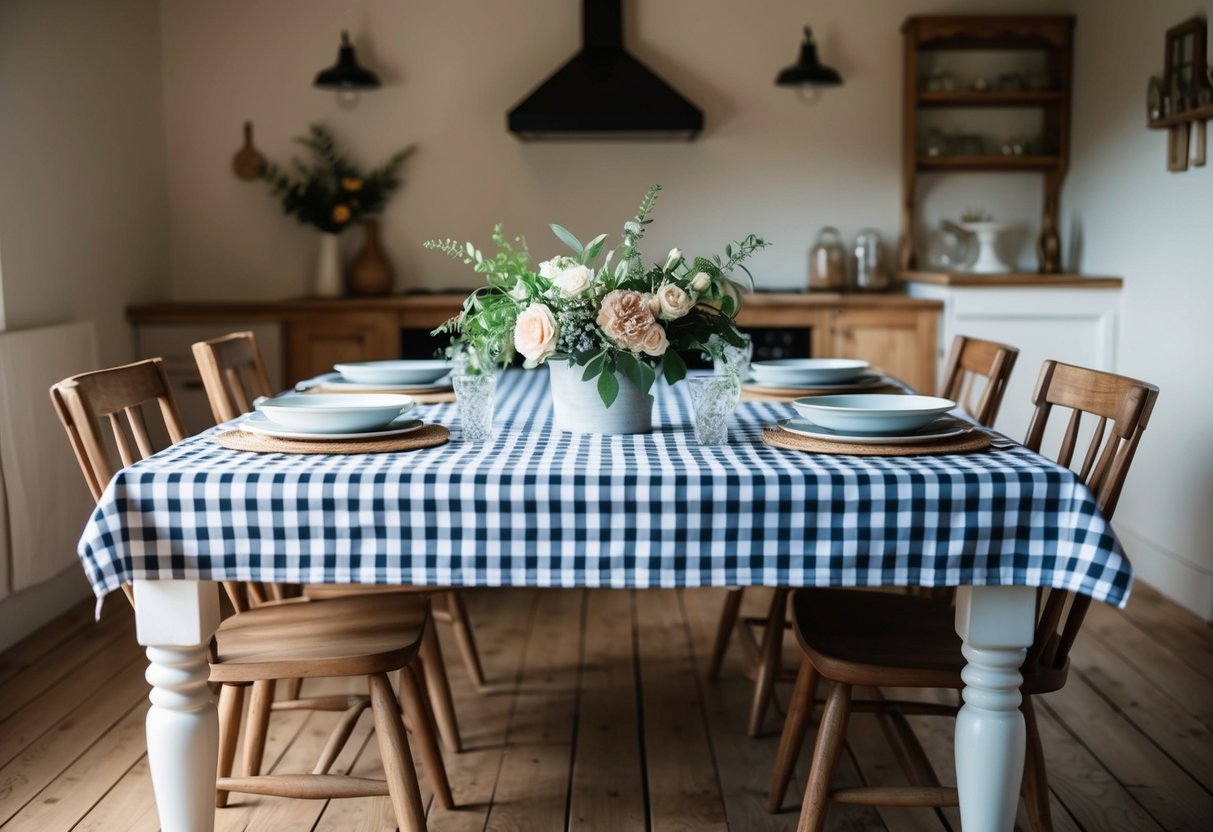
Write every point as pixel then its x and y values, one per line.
pixel 536 507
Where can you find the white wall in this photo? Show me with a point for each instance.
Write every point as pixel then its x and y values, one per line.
pixel 768 163
pixel 1153 227
pixel 83 194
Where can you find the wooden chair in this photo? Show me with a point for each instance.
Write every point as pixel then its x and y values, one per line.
pixel 851 637
pixel 970 362
pixel 358 636
pixel 234 375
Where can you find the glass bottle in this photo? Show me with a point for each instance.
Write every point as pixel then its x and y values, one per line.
pixel 827 262
pixel 871 262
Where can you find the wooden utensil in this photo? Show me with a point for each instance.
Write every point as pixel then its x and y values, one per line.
pixel 248 163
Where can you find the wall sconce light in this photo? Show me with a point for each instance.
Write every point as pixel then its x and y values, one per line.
pixel 346 76
pixel 808 74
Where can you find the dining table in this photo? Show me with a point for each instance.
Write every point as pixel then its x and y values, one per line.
pixel 536 507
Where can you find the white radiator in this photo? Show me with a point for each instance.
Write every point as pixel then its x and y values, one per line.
pixel 45 500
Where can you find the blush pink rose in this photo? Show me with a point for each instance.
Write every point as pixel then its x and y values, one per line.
pixel 625 317
pixel 655 342
pixel 535 334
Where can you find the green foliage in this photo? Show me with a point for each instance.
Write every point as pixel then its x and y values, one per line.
pixel 329 191
pixel 701 301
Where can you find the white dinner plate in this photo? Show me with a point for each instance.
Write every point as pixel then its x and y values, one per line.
pixel 256 422
pixel 944 428
pixel 399 371
pixel 810 371
pixel 336 382
pixel 863 382
pixel 334 412
pixel 876 413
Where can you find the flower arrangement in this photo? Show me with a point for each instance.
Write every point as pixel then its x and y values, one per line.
pixel 608 313
pixel 329 192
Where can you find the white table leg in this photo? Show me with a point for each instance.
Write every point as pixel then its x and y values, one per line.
pixel 996 624
pixel 175 621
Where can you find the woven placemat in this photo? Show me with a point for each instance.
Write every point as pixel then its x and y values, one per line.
pixel 430 395
pixel 975 440
pixel 426 437
pixel 750 392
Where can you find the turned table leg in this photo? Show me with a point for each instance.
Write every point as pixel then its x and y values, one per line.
pixel 175 620
pixel 996 624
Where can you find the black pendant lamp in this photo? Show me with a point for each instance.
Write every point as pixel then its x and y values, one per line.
pixel 347 76
pixel 808 71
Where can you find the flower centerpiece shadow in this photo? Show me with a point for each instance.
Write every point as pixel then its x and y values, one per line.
pixel 606 324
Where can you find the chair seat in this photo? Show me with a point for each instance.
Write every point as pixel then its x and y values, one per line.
pixel 353 636
pixel 886 639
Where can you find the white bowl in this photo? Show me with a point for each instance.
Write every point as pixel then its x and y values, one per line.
pixel 335 413
pixel 394 372
pixel 872 412
pixel 807 370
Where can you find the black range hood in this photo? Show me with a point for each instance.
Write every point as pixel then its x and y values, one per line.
pixel 604 93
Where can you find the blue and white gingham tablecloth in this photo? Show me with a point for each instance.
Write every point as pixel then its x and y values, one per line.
pixel 537 507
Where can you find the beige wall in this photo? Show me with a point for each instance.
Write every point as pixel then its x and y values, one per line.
pixel 83 225
pixel 83 197
pixel 768 163
pixel 1136 219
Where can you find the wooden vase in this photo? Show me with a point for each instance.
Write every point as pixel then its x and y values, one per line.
pixel 371 273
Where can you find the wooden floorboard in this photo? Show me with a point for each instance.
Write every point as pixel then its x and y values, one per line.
pixel 597 715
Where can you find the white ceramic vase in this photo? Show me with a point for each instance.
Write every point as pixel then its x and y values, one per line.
pixel 579 409
pixel 328 279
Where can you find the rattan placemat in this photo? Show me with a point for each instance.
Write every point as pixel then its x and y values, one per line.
pixel 753 393
pixel 975 440
pixel 426 437
pixel 429 395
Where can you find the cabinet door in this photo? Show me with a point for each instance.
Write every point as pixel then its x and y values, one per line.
pixel 899 341
pixel 317 343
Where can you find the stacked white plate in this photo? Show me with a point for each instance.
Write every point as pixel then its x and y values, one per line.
pixel 808 372
pixel 395 373
pixel 332 416
pixel 875 418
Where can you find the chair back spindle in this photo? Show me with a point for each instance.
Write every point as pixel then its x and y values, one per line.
pixel 233 373
pixel 84 400
pixel 969 360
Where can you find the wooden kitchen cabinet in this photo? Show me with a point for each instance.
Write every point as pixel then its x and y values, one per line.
pixel 893 331
pixel 899 341
pixel 316 343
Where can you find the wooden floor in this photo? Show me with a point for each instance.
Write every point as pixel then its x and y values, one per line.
pixel 598 717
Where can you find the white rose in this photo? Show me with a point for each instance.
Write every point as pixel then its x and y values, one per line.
pixel 674 302
pixel 573 281
pixel 654 304
pixel 700 282
pixel 549 269
pixel 535 334
pixel 519 292
pixel 672 260
pixel 654 341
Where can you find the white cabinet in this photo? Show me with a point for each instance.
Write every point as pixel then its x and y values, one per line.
pixel 1070 323
pixel 174 342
